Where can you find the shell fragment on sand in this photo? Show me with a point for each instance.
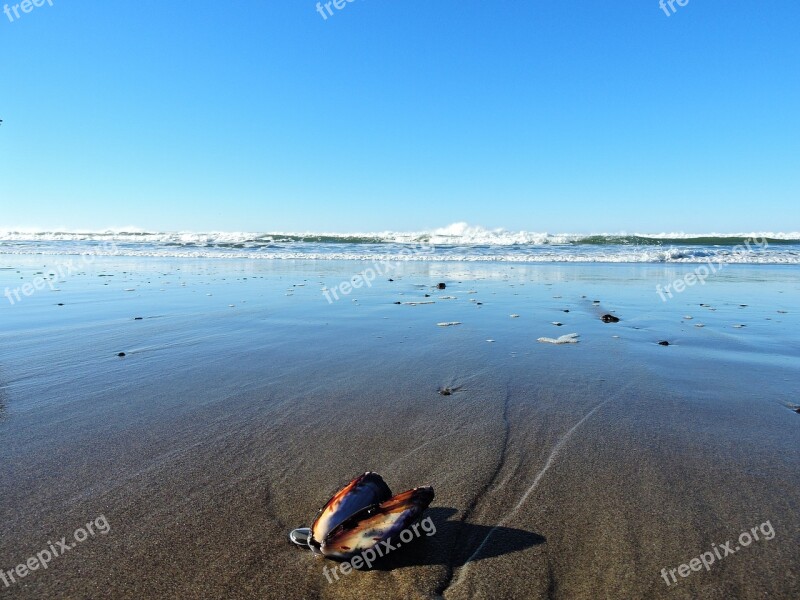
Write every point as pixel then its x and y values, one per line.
pixel 570 338
pixel 300 536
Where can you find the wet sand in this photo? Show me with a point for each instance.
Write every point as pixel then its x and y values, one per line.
pixel 245 399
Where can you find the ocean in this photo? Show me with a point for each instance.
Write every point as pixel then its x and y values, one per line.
pixel 457 242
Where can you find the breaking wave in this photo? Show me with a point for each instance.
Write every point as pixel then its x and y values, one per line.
pixel 455 242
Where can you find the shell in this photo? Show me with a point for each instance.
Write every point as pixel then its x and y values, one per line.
pixel 365 491
pixel 300 536
pixel 375 524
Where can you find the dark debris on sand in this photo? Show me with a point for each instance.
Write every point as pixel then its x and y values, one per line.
pixel 448 391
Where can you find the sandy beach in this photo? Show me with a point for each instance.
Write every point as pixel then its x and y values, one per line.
pixel 508 295
pixel 244 399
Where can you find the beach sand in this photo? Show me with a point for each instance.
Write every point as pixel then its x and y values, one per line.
pixel 245 399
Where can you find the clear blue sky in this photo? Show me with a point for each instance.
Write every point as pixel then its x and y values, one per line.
pixel 555 116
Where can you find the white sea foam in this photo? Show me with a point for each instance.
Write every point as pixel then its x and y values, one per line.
pixel 455 234
pixel 569 338
pixel 456 242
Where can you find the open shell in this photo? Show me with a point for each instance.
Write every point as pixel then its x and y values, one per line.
pixel 361 515
pixel 375 524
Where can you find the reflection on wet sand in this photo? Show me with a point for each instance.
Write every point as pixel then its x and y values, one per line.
pixel 3 401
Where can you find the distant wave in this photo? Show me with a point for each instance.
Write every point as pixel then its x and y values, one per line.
pixel 457 242
pixel 458 234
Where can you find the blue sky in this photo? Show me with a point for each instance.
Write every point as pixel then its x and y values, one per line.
pixel 568 116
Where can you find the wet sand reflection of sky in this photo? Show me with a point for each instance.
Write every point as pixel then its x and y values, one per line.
pixel 3 402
